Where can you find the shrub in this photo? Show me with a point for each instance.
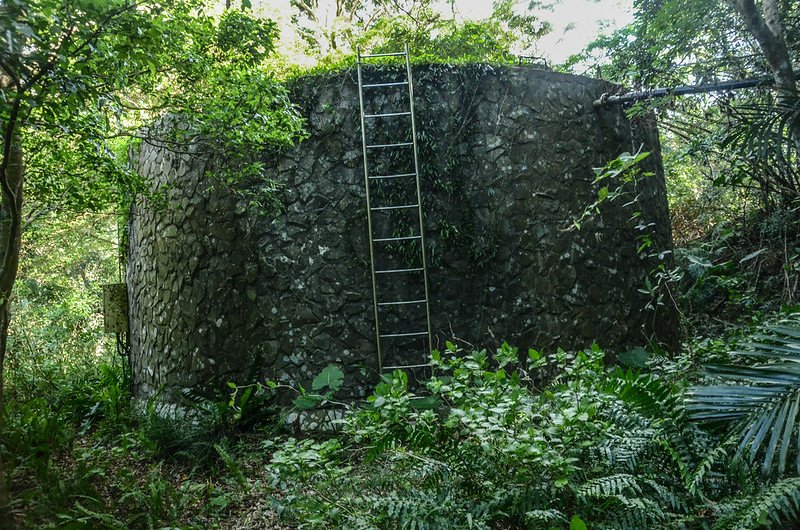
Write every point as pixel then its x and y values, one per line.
pixel 485 448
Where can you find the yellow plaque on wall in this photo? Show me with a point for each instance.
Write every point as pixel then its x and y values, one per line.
pixel 115 308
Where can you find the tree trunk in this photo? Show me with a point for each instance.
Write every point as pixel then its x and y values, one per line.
pixel 4 497
pixel 769 33
pixel 11 179
pixel 767 28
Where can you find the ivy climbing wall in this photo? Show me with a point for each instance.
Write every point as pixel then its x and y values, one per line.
pixel 221 292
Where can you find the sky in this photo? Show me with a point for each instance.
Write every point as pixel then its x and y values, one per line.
pixel 575 22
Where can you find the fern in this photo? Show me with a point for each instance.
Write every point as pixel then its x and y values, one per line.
pixel 626 504
pixel 498 455
pixel 92 518
pixel 666 496
pixel 639 512
pixel 648 395
pixel 232 466
pixel 550 517
pixel 625 451
pixel 774 508
pixel 417 510
pixel 610 486
pixel 517 501
pixel 695 479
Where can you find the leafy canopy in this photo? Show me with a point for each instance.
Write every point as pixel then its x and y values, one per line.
pixel 748 139
pixel 78 75
pixel 433 36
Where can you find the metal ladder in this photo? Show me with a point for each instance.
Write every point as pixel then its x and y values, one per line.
pixel 405 275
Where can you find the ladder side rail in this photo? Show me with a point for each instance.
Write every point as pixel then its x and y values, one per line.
pixel 419 200
pixel 369 216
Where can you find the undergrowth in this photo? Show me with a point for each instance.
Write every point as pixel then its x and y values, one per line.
pixel 487 448
pixel 509 440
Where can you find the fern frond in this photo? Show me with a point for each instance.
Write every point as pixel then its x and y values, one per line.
pixel 232 466
pixel 626 451
pixel 635 513
pixel 695 479
pixel 549 517
pixel 666 496
pixel 649 395
pixel 644 512
pixel 610 486
pixel 776 507
pixel 92 516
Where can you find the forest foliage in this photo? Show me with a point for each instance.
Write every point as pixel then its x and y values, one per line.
pixel 705 438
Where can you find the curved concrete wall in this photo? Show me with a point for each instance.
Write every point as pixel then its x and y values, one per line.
pixel 220 293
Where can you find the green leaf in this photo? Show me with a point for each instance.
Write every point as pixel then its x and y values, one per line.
pixel 577 523
pixel 636 358
pixel 699 261
pixel 331 377
pixel 424 403
pixel 307 402
pixel 752 255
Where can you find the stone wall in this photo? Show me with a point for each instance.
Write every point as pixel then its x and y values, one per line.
pixel 218 292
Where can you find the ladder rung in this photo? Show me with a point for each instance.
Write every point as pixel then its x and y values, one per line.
pixel 400 367
pixel 404 238
pixel 376 85
pixel 376 146
pixel 395 54
pixel 401 207
pixel 403 302
pixel 387 114
pixel 392 271
pixel 412 334
pixel 398 175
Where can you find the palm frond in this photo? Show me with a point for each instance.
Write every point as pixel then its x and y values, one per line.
pixel 763 133
pixel 760 401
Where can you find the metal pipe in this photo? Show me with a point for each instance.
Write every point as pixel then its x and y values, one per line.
pixel 683 90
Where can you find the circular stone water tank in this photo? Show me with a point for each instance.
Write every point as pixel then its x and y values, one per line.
pixel 219 293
